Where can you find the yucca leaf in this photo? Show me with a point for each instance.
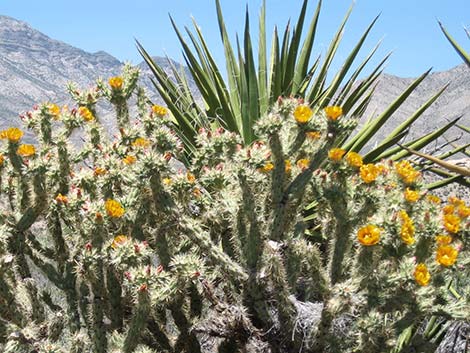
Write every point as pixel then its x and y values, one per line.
pixel 368 131
pixel 275 76
pixel 457 47
pixel 263 88
pixel 371 156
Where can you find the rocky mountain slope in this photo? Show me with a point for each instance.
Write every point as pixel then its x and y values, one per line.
pixel 35 68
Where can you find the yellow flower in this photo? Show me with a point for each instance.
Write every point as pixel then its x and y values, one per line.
pixel 406 172
pixel 422 275
pixel 197 192
pixel 288 166
pixel 448 209
pixel 159 110
pixel 13 134
pixel 463 211
pixel 85 113
pixel 446 255
pixel 54 110
pixel 443 239
pixel 61 199
pixel 407 231
pixel 167 181
pixel 119 240
pixel 2 159
pixel 354 159
pixel 434 199
pixel 411 195
pixel 333 112
pixel 369 172
pixel 455 201
pixel 451 223
pixel 129 159
pixel 190 177
pixel 335 154
pixel 303 114
pixel 302 164
pixel 115 82
pixel 314 135
pixel 369 235
pixel 141 142
pixel 26 150
pixel 114 208
pixel 267 167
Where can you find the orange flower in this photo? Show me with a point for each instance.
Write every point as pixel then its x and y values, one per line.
pixel 99 171
pixel 411 195
pixel 314 135
pixel 190 177
pixel 451 223
pixel 288 166
pixel 141 142
pixel 333 112
pixel 354 159
pixel 26 150
pixel 119 240
pixel 302 164
pixel 61 199
pixel 369 235
pixel 114 208
pixel 85 113
pixel 369 172
pixel 197 192
pixel 406 172
pixel 446 255
pixel 434 199
pixel 2 159
pixel 115 82
pixel 129 159
pixel 407 229
pixel 13 134
pixel 422 275
pixel 336 154
pixel 448 209
pixel 443 239
pixel 159 110
pixel 303 114
pixel 463 211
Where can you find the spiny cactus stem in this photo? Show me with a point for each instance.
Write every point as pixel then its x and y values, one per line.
pixel 187 341
pixel 138 322
pixel 341 244
pixel 122 112
pixel 64 165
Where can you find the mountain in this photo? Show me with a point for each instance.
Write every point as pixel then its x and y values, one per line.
pixel 35 68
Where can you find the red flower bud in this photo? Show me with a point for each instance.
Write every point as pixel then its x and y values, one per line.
pixel 88 246
pixel 159 269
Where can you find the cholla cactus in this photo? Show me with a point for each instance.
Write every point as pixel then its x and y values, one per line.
pixel 111 247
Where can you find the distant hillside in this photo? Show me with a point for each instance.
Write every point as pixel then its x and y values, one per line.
pixel 35 68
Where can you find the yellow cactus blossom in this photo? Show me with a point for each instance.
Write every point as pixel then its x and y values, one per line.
pixel 406 172
pixel 53 109
pixel 119 240
pixel 422 275
pixel 411 195
pixel 434 199
pixel 333 112
pixel 2 159
pixel 267 167
pixel 85 113
pixel 197 192
pixel 313 135
pixel 443 239
pixel 303 164
pixel 336 154
pixel 114 208
pixel 448 209
pixel 452 223
pixel 369 172
pixel 99 171
pixel 167 181
pixel 446 255
pixel 141 142
pixel 116 82
pixel 303 114
pixel 407 231
pixel 288 166
pixel 354 159
pixel 463 211
pixel 129 159
pixel 26 150
pixel 455 201
pixel 369 235
pixel 190 177
pixel 61 199
pixel 13 134
pixel 159 110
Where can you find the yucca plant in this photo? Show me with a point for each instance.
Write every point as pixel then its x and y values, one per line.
pixel 289 68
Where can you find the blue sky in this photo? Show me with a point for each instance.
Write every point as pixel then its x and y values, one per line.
pixel 408 27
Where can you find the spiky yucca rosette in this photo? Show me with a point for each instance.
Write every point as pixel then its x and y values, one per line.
pixel 139 256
